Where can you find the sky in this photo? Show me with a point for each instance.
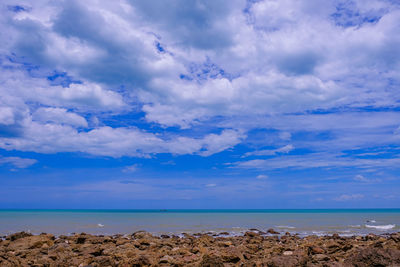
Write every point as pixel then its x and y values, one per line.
pixel 200 104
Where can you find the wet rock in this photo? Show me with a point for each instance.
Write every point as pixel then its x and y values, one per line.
pixel 272 231
pixel 18 235
pixel 251 234
pixel 141 234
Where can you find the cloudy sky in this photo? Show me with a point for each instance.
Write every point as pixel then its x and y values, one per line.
pixel 199 104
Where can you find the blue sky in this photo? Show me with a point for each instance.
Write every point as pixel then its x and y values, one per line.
pixel 200 104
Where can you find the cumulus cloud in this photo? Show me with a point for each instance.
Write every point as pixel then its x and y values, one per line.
pixel 218 64
pixel 17 162
pixel 115 142
pixel 59 115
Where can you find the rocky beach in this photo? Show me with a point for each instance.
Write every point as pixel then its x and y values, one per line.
pixel 254 248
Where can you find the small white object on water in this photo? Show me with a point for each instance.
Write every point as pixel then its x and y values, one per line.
pixel 100 225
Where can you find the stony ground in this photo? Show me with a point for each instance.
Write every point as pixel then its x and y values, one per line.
pixel 252 249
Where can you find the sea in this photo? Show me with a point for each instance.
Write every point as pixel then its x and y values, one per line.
pixel 345 222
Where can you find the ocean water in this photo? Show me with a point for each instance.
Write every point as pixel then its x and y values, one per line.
pixel 345 222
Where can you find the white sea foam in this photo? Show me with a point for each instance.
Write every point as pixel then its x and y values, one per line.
pixel 371 221
pixel 381 227
pixel 318 233
pixel 285 227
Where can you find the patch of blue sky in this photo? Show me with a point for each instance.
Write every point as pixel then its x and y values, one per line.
pixel 18 8
pixel 159 47
pixel 204 71
pixel 61 78
pixel 347 14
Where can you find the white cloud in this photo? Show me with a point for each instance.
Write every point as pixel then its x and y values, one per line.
pixel 316 160
pixel 190 63
pixel 6 116
pixel 59 115
pixel 115 142
pixel 360 178
pixel 363 179
pixel 131 168
pixel 262 177
pixel 349 197
pixel 17 162
pixel 282 150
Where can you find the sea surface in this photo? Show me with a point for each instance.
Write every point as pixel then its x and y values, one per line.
pixel 345 222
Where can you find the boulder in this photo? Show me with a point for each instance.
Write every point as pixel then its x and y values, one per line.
pixel 272 231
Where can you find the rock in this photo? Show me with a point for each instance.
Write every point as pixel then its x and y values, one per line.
pixel 251 234
pixel 211 261
pixel 252 249
pixel 30 242
pixel 166 259
pixel 139 261
pixel 315 250
pixel 224 233
pixel 141 234
pixel 372 256
pixel 320 257
pixel 81 239
pixel 164 236
pixel 272 231
pixel 225 243
pixel 287 261
pixel 18 235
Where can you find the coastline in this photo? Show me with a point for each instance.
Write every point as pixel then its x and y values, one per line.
pixel 254 248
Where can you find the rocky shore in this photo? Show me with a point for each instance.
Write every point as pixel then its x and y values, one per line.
pixel 252 249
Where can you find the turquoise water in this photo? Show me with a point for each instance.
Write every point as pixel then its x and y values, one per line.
pixel 305 222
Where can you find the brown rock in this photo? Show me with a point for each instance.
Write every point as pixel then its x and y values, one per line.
pixel 30 242
pixel 139 261
pixel 287 261
pixel 211 261
pixel 251 234
pixel 166 259
pixel 272 231
pixel 18 235
pixel 315 250
pixel 372 256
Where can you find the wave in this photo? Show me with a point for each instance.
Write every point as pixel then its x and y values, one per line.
pixel 285 227
pixel 381 227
